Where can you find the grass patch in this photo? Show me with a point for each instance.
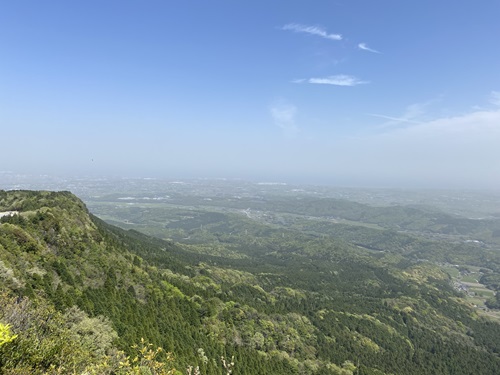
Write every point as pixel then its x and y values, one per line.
pixel 470 278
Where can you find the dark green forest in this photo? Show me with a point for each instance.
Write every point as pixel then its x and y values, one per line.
pixel 239 296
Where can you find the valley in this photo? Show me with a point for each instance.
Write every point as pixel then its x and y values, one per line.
pixel 288 280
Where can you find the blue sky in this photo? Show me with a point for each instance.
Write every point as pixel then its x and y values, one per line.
pixel 358 93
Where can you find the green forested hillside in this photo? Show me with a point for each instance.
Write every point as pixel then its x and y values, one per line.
pixel 77 294
pixel 408 218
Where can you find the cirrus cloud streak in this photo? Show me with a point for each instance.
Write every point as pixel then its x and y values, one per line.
pixel 335 80
pixel 313 30
pixel 364 47
pixel 451 152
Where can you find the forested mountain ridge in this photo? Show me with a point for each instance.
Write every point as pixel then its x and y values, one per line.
pixel 292 304
pixel 407 218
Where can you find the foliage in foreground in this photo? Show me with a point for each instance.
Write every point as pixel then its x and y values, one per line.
pixel 50 342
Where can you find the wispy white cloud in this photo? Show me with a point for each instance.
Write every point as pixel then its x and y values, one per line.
pixel 445 152
pixel 337 80
pixel 455 151
pixel 495 98
pixel 396 119
pixel 364 47
pixel 284 115
pixel 413 114
pixel 313 30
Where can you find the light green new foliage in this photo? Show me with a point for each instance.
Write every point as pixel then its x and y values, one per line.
pixel 5 335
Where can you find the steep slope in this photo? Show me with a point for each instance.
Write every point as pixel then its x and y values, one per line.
pixel 291 306
pixel 56 254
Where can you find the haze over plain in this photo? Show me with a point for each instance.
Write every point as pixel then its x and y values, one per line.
pixel 385 94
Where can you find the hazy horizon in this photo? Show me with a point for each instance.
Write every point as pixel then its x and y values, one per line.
pixel 394 95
